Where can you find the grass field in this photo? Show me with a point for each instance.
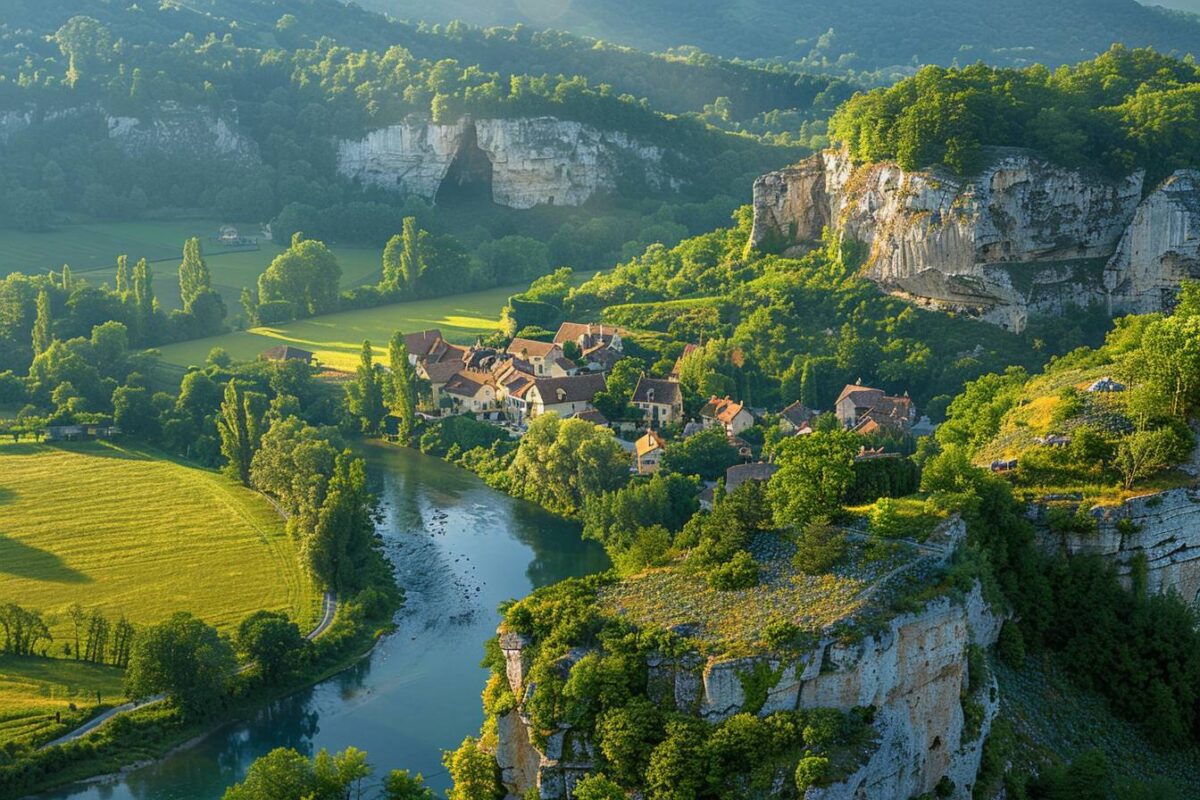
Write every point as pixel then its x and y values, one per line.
pixel 92 252
pixel 34 690
pixel 337 338
pixel 131 532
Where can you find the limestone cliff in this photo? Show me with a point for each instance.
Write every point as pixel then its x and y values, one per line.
pixel 914 673
pixel 1022 237
pixel 522 162
pixel 1164 528
pixel 1160 248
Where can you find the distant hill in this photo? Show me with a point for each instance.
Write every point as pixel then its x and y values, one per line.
pixel 853 34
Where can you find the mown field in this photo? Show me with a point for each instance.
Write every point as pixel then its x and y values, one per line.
pixel 128 531
pixel 92 252
pixel 34 692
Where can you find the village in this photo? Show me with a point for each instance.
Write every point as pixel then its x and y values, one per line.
pixel 512 386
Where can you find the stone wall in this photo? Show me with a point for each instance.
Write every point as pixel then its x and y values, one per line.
pixel 535 161
pixel 914 673
pixel 1022 237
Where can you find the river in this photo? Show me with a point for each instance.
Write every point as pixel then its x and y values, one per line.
pixel 460 549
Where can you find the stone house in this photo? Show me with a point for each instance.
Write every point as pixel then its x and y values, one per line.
pixel 471 390
pixel 544 358
pixel 648 452
pixel 420 344
pixel 660 401
pixel 865 410
pixel 601 345
pixel 796 418
pixel 564 396
pixel 731 415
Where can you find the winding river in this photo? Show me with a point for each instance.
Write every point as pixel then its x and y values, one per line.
pixel 460 549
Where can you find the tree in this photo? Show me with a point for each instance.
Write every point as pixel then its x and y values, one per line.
pixel 560 463
pixel 403 399
pixel 240 424
pixel 364 397
pixel 1142 454
pixel 194 276
pixel 411 262
pixel 284 774
pixel 134 413
pixel 270 639
pixel 473 772
pixel 706 454
pixel 184 658
pixel 42 334
pixel 597 787
pixel 341 540
pixel 305 275
pixel 122 280
pixel 401 785
pixel 143 301
pixel 819 547
pixel 815 471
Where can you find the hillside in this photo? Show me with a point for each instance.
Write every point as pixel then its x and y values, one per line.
pixel 861 34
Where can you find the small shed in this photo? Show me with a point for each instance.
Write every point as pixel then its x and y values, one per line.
pixel 285 352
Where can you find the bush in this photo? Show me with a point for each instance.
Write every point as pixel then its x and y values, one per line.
pixel 1011 645
pixel 781 634
pixel 740 572
pixel 811 771
pixel 275 312
pixel 820 546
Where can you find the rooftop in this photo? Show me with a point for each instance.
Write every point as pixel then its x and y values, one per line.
pixel 657 390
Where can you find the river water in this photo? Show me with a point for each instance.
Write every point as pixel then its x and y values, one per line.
pixel 460 549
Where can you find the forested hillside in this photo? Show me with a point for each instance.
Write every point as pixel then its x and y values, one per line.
pixel 858 35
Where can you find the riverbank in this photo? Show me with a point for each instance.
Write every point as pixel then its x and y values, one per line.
pixel 153 731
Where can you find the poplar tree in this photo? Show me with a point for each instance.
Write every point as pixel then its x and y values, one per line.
pixel 194 277
pixel 403 399
pixel 364 397
pixel 239 426
pixel 391 264
pixel 42 335
pixel 123 275
pixel 143 299
pixel 412 256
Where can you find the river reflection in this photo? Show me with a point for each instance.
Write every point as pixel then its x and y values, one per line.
pixel 460 549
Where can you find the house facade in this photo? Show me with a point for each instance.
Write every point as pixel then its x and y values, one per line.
pixel 648 452
pixel 731 415
pixel 544 358
pixel 600 345
pixel 869 411
pixel 471 391
pixel 660 401
pixel 564 396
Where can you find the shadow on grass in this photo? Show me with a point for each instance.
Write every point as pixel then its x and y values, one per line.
pixel 7 495
pixel 23 561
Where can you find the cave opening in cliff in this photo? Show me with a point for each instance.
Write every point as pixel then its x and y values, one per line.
pixel 468 180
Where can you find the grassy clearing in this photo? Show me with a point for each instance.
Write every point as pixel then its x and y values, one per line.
pixel 34 690
pixel 132 532
pixel 733 621
pixel 92 252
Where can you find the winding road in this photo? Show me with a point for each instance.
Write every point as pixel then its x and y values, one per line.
pixel 328 611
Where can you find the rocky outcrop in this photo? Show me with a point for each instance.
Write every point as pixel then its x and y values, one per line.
pixel 1160 248
pixel 522 162
pixel 914 673
pixel 182 132
pixel 1022 237
pixel 1162 528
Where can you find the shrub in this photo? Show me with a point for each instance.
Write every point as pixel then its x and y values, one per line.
pixel 811 771
pixel 781 634
pixel 820 546
pixel 1011 645
pixel 275 312
pixel 740 572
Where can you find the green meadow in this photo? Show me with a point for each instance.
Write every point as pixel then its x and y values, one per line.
pixel 92 250
pixel 337 339
pixel 130 531
pixel 41 698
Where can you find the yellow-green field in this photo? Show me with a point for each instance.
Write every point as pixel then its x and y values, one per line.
pixel 33 690
pixel 92 252
pixel 131 532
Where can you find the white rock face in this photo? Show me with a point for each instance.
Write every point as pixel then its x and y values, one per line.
pixel 182 131
pixel 1024 236
pixel 410 158
pixel 1160 248
pixel 1163 527
pixel 915 674
pixel 534 161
